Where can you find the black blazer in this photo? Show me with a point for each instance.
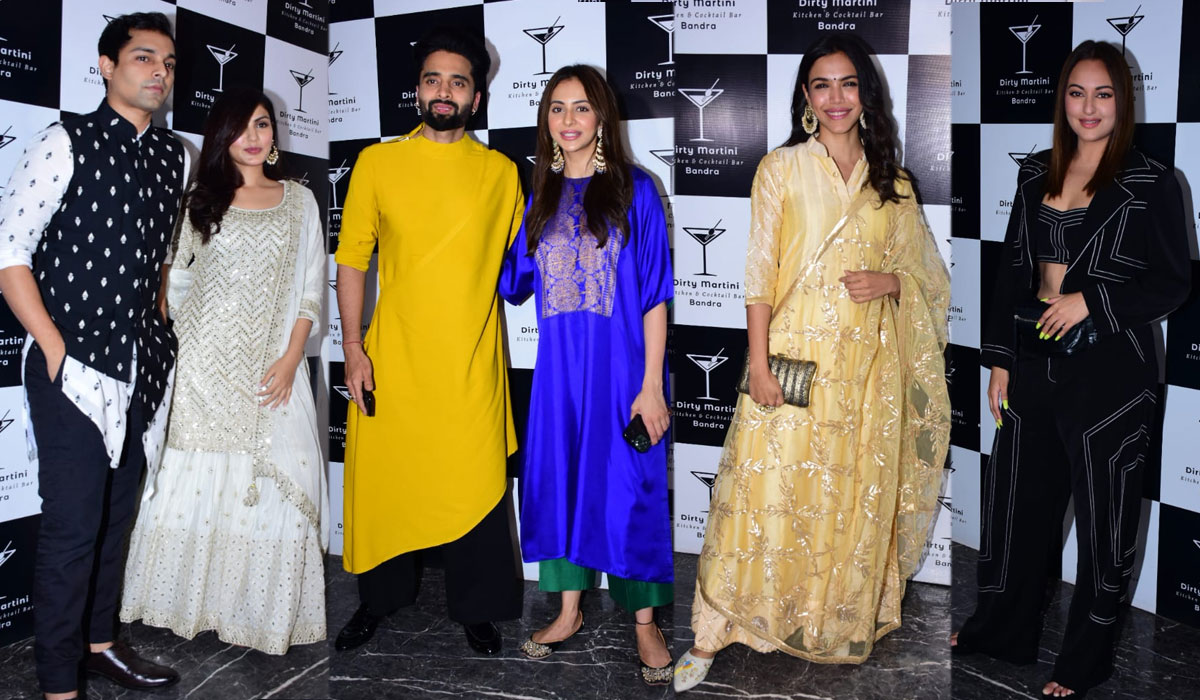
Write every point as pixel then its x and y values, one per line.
pixel 1134 270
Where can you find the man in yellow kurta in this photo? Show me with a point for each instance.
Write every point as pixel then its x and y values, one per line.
pixel 428 468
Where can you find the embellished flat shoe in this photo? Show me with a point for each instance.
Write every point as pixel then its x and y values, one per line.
pixel 690 671
pixel 656 675
pixel 540 650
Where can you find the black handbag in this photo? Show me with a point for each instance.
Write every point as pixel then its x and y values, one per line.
pixel 1078 338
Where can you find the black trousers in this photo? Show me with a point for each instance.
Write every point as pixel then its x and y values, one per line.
pixel 86 511
pixel 481 575
pixel 1076 426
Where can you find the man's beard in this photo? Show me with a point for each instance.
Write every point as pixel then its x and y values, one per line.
pixel 444 122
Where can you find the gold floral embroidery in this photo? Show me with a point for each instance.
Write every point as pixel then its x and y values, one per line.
pixel 577 275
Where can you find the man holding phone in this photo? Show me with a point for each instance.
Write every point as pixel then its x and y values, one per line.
pixel 427 443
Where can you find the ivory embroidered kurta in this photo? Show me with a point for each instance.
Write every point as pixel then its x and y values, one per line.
pixel 431 462
pixel 230 532
pixel 819 514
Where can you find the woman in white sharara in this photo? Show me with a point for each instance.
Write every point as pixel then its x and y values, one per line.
pixel 230 532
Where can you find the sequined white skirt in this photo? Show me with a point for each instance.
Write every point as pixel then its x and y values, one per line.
pixel 201 558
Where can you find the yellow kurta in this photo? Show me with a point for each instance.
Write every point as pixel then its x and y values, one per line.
pixel 431 462
pixel 819 514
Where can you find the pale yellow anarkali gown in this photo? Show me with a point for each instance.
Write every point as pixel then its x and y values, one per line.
pixel 819 515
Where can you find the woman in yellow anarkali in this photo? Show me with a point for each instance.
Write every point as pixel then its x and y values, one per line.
pixel 820 514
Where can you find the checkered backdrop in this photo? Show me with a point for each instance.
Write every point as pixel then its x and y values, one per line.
pixel 736 70
pixel 48 69
pixel 1002 98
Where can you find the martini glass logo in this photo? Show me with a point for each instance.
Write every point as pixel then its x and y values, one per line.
pixel 704 236
pixel 334 54
pixel 6 553
pixel 302 79
pixel 666 156
pixel 667 24
pixel 708 479
pixel 336 174
pixel 1025 32
pixel 1020 157
pixel 702 97
pixel 1124 25
pixel 543 35
pixel 222 56
pixel 6 138
pixel 708 363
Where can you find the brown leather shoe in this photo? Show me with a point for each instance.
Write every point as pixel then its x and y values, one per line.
pixel 123 666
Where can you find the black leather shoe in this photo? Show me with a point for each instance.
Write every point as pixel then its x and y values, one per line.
pixel 483 638
pixel 358 631
pixel 123 666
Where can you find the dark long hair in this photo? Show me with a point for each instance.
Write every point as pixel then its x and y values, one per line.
pixel 218 178
pixel 879 138
pixel 1065 140
pixel 609 194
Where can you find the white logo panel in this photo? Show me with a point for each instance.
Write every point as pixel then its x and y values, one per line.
pixel 781 80
pixel 710 260
pixel 694 475
pixel 964 293
pixel 1180 485
pixel 336 512
pixel 964 69
pixel 18 476
pixel 935 562
pixel 1001 149
pixel 522 325
pixel 1150 35
pixel 248 14
pixel 353 84
pixel 532 39
pixel 740 28
pixel 964 481
pixel 929 27
pixel 18 123
pixel 297 81
pixel 652 146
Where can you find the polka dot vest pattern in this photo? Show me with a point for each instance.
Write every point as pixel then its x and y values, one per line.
pixel 99 263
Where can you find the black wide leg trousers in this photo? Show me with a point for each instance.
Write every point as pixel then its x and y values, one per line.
pixel 1075 426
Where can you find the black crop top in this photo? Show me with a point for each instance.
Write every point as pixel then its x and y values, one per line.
pixel 1058 237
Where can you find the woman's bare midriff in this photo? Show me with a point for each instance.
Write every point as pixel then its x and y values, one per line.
pixel 1052 276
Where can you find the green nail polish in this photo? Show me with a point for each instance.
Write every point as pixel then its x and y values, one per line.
pixel 1004 403
pixel 1041 336
pixel 1058 338
pixel 1044 300
pixel 999 424
pixel 1038 326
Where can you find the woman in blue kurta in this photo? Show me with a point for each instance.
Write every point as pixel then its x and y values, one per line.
pixel 594 253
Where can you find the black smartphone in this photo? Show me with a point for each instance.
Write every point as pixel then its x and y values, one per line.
pixel 369 401
pixel 636 434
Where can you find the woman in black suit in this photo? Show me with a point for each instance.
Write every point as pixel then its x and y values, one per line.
pixel 1095 253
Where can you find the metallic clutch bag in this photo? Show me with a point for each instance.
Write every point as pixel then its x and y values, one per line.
pixel 795 378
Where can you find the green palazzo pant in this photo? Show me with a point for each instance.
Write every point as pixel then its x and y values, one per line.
pixel 557 575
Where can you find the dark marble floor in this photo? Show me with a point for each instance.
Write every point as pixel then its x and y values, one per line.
pixel 911 662
pixel 418 653
pixel 1156 658
pixel 209 669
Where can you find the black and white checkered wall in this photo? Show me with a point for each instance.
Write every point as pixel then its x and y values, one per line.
pixel 736 70
pixel 48 69
pixel 1006 63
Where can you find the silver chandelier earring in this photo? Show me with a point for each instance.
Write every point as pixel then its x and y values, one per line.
pixel 598 162
pixel 556 165
pixel 808 120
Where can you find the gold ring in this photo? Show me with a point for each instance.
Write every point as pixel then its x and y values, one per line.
pixel 766 408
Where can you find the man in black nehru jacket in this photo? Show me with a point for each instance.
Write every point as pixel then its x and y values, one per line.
pixel 85 225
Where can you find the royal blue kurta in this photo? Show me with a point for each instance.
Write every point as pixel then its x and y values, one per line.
pixel 586 495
